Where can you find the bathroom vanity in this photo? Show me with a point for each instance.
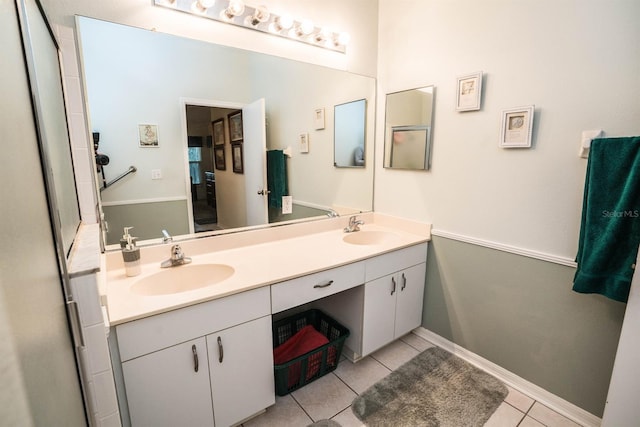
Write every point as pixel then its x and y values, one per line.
pixel 204 356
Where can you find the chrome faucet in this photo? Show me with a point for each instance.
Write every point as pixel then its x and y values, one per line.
pixel 166 237
pixel 332 214
pixel 354 224
pixel 177 258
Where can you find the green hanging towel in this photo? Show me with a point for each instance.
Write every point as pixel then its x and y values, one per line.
pixel 276 177
pixel 610 229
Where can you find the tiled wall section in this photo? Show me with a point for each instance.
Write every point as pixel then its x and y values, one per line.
pixel 101 392
pixel 98 375
pixel 81 149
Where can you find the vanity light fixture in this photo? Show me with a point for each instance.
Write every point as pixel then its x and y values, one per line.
pixel 259 18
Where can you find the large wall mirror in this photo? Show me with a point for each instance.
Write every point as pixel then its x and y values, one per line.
pixel 408 129
pixel 137 77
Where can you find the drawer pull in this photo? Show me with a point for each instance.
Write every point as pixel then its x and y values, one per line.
pixel 404 282
pixel 324 285
pixel 195 357
pixel 220 350
pixel 393 289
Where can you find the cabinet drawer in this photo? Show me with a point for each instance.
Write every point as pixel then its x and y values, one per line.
pixel 163 330
pixel 304 289
pixel 389 263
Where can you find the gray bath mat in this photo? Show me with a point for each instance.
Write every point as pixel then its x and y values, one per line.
pixel 434 388
pixel 324 423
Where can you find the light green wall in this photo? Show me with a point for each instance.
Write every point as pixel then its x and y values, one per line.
pixel 521 314
pixel 147 219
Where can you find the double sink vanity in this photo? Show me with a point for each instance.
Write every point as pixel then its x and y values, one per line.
pixel 192 344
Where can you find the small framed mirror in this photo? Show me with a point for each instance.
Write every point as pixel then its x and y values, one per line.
pixel 349 131
pixel 408 123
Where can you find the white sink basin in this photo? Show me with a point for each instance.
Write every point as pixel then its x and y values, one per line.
pixel 182 278
pixel 371 237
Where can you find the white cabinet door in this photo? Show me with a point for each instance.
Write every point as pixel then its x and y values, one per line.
pixel 392 307
pixel 379 313
pixel 241 369
pixel 170 387
pixel 409 299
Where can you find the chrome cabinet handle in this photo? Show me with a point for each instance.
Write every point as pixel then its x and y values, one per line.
pixel 404 282
pixel 393 290
pixel 195 357
pixel 220 350
pixel 324 285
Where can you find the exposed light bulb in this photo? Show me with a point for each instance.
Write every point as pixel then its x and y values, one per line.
pixel 343 39
pixel 322 35
pixel 280 23
pixel 306 27
pixel 235 8
pixel 260 14
pixel 201 6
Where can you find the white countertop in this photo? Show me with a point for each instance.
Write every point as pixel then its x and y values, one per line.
pixel 269 261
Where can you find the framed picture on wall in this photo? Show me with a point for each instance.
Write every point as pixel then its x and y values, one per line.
pixel 517 127
pixel 236 155
pixel 148 136
pixel 219 158
pixel 469 92
pixel 235 126
pixel 217 126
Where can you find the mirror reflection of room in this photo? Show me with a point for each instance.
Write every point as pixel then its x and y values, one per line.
pixel 408 117
pixel 190 71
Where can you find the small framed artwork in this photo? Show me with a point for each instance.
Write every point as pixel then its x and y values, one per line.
pixel 220 159
pixel 235 126
pixel 517 126
pixel 236 155
pixel 318 119
pixel 217 126
pixel 148 136
pixel 469 92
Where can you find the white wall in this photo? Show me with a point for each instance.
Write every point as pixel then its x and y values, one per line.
pixel 576 61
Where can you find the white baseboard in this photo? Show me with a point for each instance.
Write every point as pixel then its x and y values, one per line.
pixel 537 393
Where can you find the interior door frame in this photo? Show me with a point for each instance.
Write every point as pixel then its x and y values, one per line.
pixel 212 103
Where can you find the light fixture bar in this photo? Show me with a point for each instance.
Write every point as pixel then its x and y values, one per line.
pixel 259 18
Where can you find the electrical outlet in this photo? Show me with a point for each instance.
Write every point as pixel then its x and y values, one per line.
pixel 156 174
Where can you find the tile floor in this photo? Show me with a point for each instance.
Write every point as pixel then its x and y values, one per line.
pixel 330 397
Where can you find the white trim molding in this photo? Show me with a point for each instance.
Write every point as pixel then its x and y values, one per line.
pixel 556 259
pixel 537 393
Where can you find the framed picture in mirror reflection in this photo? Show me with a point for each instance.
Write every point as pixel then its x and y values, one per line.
pixel 219 158
pixel 217 127
pixel 235 126
pixel 236 155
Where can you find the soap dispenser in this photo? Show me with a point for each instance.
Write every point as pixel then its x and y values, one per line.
pixel 123 241
pixel 130 254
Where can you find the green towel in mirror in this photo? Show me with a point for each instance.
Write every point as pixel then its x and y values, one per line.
pixel 276 177
pixel 610 228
